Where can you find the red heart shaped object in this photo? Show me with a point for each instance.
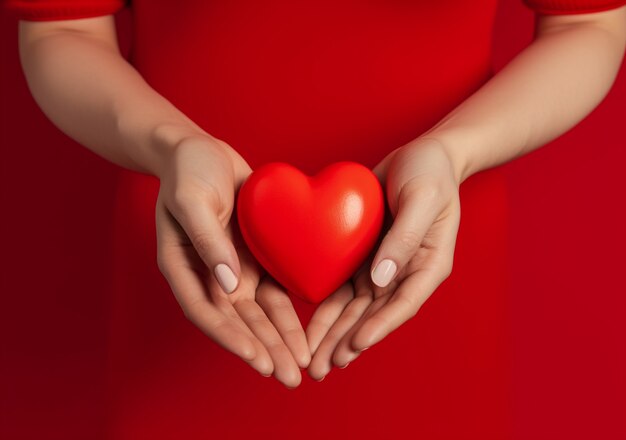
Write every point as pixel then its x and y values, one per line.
pixel 311 233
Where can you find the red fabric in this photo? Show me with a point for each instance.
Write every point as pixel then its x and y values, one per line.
pixel 555 7
pixel 311 84
pixel 45 10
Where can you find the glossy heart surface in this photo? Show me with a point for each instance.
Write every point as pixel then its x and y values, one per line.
pixel 311 233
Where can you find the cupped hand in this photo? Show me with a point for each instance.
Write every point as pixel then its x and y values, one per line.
pixel 218 284
pixel 413 259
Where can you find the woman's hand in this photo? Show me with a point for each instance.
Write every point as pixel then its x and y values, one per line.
pixel 413 259
pixel 217 282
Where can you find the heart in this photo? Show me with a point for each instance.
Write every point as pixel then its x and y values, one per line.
pixel 311 233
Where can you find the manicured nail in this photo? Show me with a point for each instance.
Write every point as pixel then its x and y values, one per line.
pixel 384 272
pixel 225 277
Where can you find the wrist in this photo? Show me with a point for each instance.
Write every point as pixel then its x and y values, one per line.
pixel 453 149
pixel 170 139
pixel 164 139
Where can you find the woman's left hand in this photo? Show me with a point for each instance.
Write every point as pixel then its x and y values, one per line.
pixel 413 259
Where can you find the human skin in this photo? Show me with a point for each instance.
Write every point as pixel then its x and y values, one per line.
pixel 82 83
pixel 76 74
pixel 548 88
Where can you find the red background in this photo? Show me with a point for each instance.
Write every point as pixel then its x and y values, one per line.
pixel 568 301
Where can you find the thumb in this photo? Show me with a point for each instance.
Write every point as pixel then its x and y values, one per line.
pixel 417 209
pixel 203 227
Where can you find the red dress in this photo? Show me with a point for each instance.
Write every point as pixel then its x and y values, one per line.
pixel 310 83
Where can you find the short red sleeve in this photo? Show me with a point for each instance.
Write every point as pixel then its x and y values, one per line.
pixel 555 7
pixel 45 10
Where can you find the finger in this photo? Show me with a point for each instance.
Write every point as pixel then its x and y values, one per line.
pixel 225 330
pixel 321 363
pixel 363 296
pixel 326 314
pixel 415 288
pixel 198 217
pixel 403 305
pixel 286 369
pixel 262 362
pixel 344 352
pixel 418 207
pixel 382 168
pixel 191 292
pixel 276 304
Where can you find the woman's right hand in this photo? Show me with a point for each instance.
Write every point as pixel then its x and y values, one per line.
pixel 218 284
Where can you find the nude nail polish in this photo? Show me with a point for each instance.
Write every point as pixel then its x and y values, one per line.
pixel 384 272
pixel 226 277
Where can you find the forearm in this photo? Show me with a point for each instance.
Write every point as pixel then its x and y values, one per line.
pixel 91 93
pixel 548 88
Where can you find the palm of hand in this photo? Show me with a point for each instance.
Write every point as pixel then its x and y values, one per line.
pixel 423 196
pixel 256 321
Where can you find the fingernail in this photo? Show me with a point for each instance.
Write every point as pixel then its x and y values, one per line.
pixel 225 277
pixel 323 377
pixel 384 272
pixel 345 366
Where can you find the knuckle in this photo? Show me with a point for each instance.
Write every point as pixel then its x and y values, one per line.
pixel 186 195
pixel 162 264
pixel 446 268
pixel 194 313
pixel 274 343
pixel 190 311
pixel 204 242
pixel 355 309
pixel 278 302
pixel 182 197
pixel 257 319
pixel 189 314
pixel 351 313
pixel 411 304
pixel 408 239
pixel 269 298
pixel 333 336
pixel 291 332
pixel 424 191
pixel 165 263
